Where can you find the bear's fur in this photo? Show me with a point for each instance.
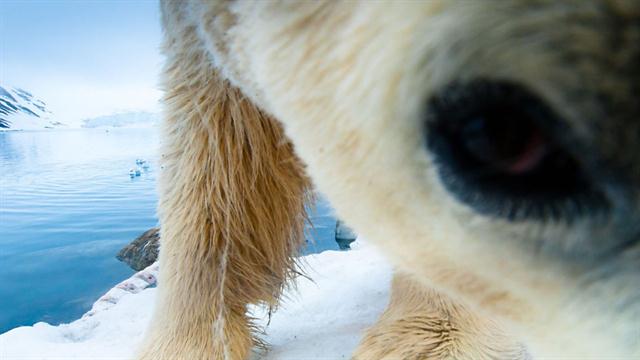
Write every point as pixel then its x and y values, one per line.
pixel 348 81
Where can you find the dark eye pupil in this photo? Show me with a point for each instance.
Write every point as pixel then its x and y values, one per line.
pixel 504 140
pixel 500 149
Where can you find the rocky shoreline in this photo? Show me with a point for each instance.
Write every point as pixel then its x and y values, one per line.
pixel 143 251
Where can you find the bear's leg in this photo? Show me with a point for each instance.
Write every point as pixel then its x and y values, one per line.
pixel 231 209
pixel 420 323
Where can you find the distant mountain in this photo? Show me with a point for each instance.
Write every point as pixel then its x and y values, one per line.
pixel 125 119
pixel 20 110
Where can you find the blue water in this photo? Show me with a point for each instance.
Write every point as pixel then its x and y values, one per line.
pixel 67 205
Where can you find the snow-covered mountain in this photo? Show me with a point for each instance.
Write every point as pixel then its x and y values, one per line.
pixel 123 119
pixel 20 110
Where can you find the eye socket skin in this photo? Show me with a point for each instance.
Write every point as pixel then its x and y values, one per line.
pixel 497 149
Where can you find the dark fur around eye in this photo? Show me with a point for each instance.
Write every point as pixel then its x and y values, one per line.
pixel 500 150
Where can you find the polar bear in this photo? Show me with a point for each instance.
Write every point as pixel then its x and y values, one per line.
pixel 490 148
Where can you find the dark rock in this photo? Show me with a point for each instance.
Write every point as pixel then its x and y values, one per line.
pixel 141 252
pixel 344 235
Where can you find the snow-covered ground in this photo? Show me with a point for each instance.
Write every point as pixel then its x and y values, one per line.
pixel 323 319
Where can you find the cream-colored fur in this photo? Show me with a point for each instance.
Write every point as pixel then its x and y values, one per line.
pixel 349 80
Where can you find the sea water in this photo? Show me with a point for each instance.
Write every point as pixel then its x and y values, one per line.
pixel 67 205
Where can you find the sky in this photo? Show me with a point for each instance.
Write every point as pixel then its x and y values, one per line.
pixel 84 58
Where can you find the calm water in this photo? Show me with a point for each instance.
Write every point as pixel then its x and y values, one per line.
pixel 67 205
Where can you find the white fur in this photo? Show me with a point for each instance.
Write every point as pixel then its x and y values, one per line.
pixel 349 81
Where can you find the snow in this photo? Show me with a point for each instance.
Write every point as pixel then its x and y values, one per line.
pixel 20 110
pixel 323 319
pixel 125 119
pixel 22 121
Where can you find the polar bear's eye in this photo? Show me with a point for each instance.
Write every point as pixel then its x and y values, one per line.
pixel 497 148
pixel 504 140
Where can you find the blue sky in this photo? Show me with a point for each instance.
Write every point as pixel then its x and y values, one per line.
pixel 84 58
